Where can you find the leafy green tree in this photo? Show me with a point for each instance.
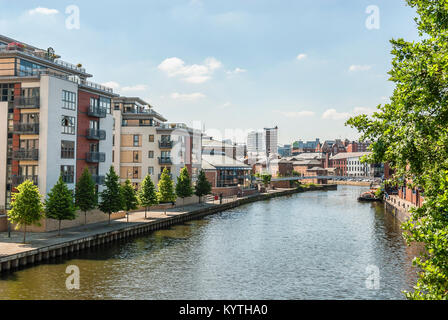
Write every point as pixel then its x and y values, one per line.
pixel 147 194
pixel 26 206
pixel 59 204
pixel 266 178
pixel 111 199
pixel 85 195
pixel 203 186
pixel 166 192
pixel 183 186
pixel 129 195
pixel 411 134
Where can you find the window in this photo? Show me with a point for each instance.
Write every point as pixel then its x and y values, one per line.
pixel 136 140
pixel 68 100
pixel 104 103
pixel 166 154
pixel 135 171
pixel 150 170
pixel 151 138
pixel 30 144
pixel 113 155
pixel 68 174
pixel 136 156
pixel 6 92
pixel 68 125
pixel 94 124
pixel 67 150
pixel 150 154
pixel 113 140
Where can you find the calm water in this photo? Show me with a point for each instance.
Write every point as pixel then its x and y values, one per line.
pixel 314 245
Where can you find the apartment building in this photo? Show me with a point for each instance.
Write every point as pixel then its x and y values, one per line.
pixel 143 143
pixel 55 122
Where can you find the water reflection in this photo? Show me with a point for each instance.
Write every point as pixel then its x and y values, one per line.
pixel 314 245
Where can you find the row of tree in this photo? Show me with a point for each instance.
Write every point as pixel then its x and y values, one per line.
pixel 61 204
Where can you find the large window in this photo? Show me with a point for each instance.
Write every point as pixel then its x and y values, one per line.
pixel 28 68
pixel 68 100
pixel 151 138
pixel 151 170
pixel 68 174
pixel 105 103
pixel 150 154
pixel 136 140
pixel 67 149
pixel 6 92
pixel 68 125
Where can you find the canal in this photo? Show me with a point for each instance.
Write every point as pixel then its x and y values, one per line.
pixel 313 245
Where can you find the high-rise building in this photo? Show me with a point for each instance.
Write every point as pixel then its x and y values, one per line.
pixel 54 122
pixel 271 140
pixel 256 142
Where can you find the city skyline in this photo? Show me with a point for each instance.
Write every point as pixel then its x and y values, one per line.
pixel 306 69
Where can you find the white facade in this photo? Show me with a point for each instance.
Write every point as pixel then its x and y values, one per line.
pixel 355 168
pixel 256 142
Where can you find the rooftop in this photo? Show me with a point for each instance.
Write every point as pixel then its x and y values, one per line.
pixel 345 155
pixel 211 162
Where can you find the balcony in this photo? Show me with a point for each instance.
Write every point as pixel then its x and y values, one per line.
pixel 171 176
pixel 97 112
pixel 165 160
pixel 95 134
pixel 26 154
pixel 26 128
pixel 165 144
pixel 98 179
pixel 27 102
pixel 18 180
pixel 95 157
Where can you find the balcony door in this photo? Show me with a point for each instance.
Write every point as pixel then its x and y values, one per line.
pixel 29 118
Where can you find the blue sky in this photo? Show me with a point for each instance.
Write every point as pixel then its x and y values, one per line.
pixel 302 65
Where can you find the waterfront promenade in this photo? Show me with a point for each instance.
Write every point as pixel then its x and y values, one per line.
pixel 43 246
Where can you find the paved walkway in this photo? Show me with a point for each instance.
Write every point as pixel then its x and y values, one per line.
pixel 34 240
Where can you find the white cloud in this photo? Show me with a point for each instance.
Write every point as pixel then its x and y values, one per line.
pixel 187 96
pixel 236 71
pixel 301 56
pixel 296 114
pixel 139 87
pixel 112 84
pixel 195 73
pixel 355 68
pixel 44 11
pixel 333 114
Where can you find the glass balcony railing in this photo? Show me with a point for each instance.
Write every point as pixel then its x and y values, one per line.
pixel 26 154
pixel 95 157
pixel 26 128
pixel 97 112
pixel 165 160
pixel 165 144
pixel 27 102
pixel 99 180
pixel 18 180
pixel 95 134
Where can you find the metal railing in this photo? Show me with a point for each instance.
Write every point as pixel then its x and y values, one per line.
pixel 27 102
pixel 165 160
pixel 93 85
pixel 95 157
pixel 18 180
pixel 26 128
pixel 96 134
pixel 26 154
pixel 97 112
pixel 166 144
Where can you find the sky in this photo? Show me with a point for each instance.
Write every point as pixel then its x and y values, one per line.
pixel 232 66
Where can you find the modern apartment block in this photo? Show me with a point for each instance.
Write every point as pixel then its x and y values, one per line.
pixel 271 139
pixel 143 143
pixel 54 122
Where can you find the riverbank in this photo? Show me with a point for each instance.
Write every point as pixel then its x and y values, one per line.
pixel 351 183
pixel 44 246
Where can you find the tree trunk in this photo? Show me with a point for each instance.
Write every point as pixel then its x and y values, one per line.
pixel 24 234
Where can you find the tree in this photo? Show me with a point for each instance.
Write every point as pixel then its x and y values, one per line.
pixel 147 193
pixel 411 134
pixel 203 186
pixel 166 192
pixel 26 206
pixel 59 204
pixel 183 186
pixel 111 197
pixel 130 200
pixel 85 195
pixel 266 178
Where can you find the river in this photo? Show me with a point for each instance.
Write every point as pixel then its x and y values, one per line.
pixel 312 245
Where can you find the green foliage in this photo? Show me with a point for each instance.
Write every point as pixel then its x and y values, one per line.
pixel 147 193
pixel 129 195
pixel 110 198
pixel 85 195
pixel 26 206
pixel 411 134
pixel 203 186
pixel 183 186
pixel 296 174
pixel 59 204
pixel 266 178
pixel 166 188
pixel 379 193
